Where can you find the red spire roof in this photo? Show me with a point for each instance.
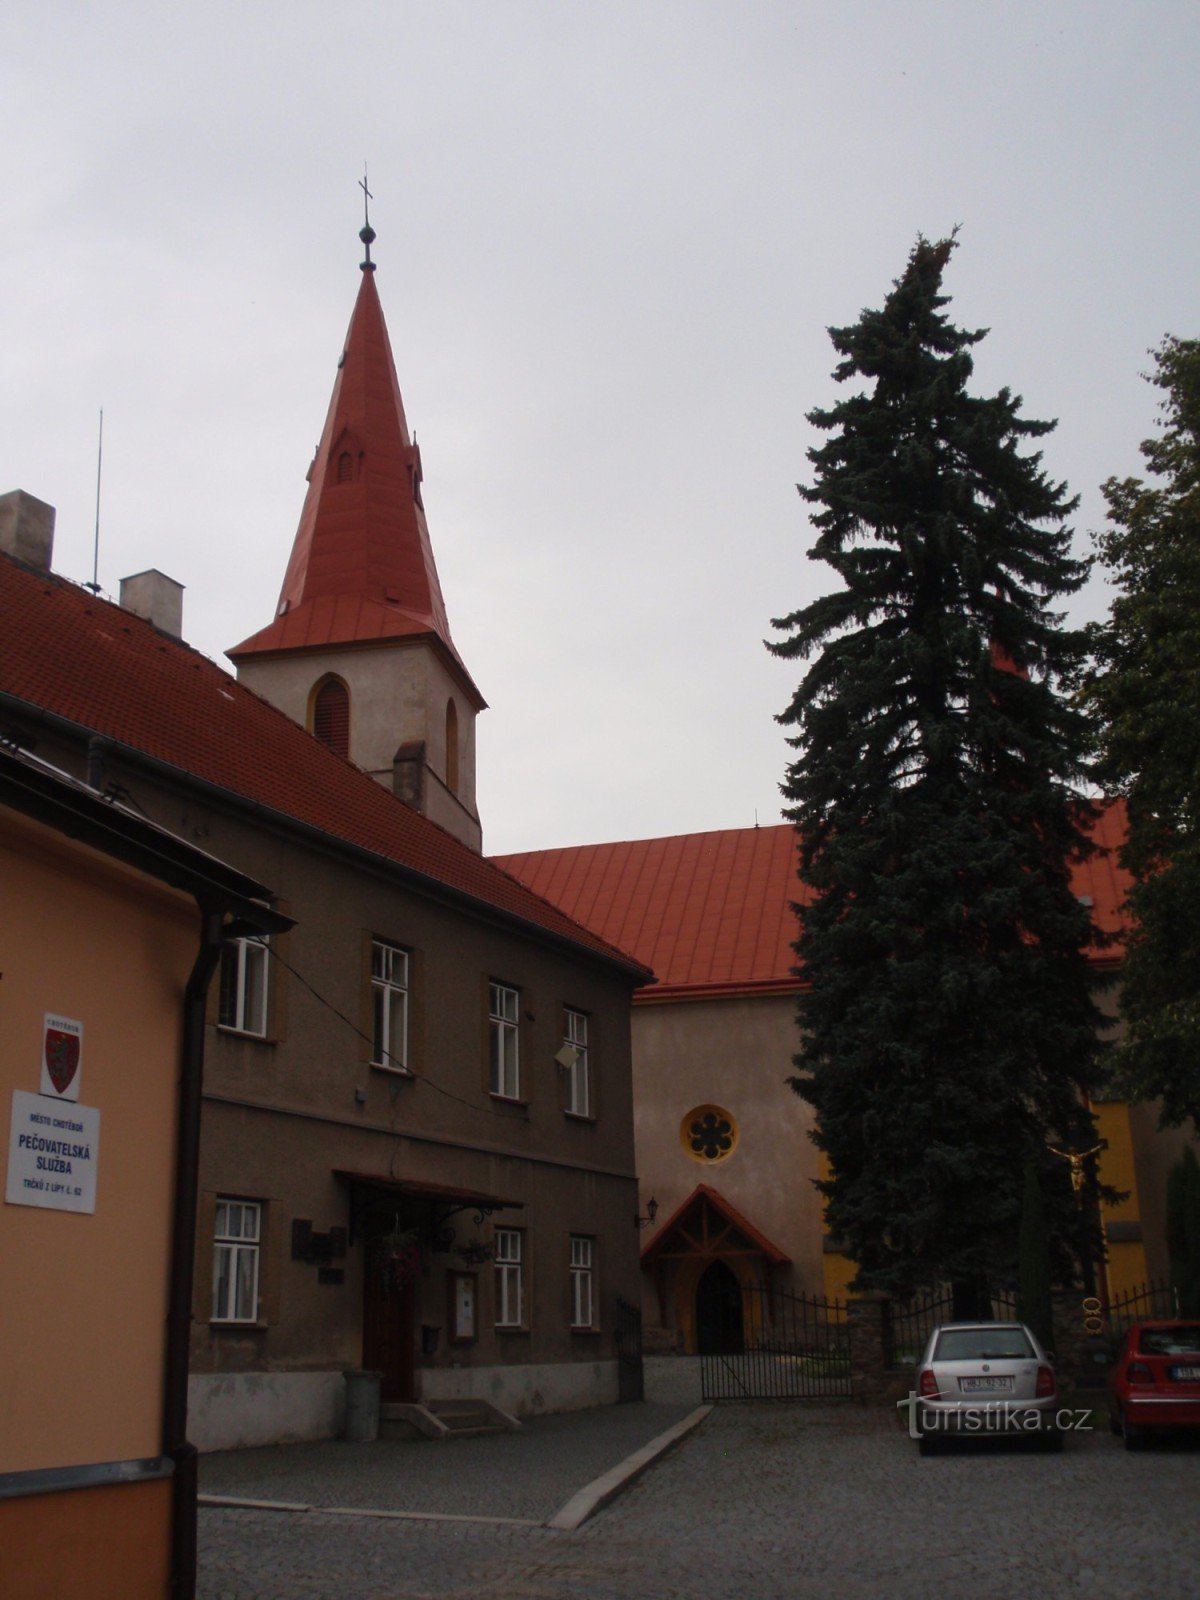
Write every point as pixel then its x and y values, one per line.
pixel 362 568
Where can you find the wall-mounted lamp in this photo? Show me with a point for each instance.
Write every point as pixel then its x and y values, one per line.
pixel 651 1212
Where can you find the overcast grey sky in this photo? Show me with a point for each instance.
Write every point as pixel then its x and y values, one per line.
pixel 610 240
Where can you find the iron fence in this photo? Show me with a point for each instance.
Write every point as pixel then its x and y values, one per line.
pixel 1148 1300
pixel 907 1324
pixel 631 1382
pixel 787 1347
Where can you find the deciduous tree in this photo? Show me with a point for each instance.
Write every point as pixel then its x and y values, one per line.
pixel 1146 691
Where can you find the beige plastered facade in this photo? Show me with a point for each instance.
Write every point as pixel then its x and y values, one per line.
pixel 399 693
pixel 733 1054
pixel 83 1330
pixel 736 1054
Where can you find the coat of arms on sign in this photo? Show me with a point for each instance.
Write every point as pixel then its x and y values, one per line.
pixel 62 1051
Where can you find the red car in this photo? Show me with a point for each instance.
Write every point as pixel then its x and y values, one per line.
pixel 1155 1380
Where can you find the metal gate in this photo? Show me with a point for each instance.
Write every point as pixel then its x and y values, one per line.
pixel 788 1347
pixel 630 1379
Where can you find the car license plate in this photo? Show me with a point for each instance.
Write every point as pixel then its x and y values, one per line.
pixel 984 1385
pixel 1186 1374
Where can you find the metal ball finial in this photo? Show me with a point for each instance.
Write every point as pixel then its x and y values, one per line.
pixel 366 232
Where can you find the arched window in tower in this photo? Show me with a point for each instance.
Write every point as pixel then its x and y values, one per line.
pixel 331 716
pixel 452 746
pixel 345 467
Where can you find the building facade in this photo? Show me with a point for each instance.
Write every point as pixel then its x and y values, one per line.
pixel 417 1151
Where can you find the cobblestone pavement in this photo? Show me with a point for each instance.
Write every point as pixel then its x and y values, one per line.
pixel 527 1475
pixel 782 1502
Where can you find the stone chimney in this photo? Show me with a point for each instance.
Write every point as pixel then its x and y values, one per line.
pixel 408 774
pixel 27 529
pixel 157 598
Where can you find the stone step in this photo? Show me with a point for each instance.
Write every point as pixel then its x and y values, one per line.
pixel 443 1419
pixel 461 1417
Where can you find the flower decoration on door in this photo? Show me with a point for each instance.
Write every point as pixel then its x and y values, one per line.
pixel 708 1134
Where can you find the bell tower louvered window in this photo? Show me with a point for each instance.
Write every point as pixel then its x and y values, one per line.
pixel 452 747
pixel 331 716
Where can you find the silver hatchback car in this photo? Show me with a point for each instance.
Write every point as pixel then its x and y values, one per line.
pixel 980 1380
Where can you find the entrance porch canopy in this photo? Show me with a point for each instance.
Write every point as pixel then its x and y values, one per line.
pixel 447 1198
pixel 706 1224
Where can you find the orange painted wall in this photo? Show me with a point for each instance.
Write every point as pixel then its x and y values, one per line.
pixel 85 1297
pixel 111 1543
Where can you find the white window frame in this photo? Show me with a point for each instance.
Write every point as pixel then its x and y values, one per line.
pixel 579 1073
pixel 247 957
pixel 504 1041
pixel 508 1263
pixel 237 1256
pixel 390 988
pixel 583 1281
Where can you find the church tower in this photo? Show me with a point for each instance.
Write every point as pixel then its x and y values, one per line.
pixel 359 651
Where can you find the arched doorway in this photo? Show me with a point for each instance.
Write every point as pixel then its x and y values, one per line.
pixel 718 1312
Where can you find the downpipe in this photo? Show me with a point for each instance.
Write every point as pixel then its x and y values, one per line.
pixel 183 1456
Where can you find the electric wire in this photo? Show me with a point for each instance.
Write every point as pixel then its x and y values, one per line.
pixel 397 1066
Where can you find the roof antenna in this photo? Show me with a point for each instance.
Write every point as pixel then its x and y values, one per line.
pixel 756 816
pixel 94 586
pixel 366 232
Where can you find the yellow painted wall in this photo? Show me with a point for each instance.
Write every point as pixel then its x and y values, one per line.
pixel 1126 1266
pixel 85 1297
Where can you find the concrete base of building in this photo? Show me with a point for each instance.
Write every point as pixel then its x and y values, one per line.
pixel 234 1411
pixel 529 1390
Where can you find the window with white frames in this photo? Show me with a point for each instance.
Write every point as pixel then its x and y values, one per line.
pixel 236 1244
pixel 389 1006
pixel 579 1081
pixel 509 1267
pixel 243 1000
pixel 582 1281
pixel 504 1012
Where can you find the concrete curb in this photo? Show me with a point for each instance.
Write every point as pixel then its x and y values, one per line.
pixel 226 1502
pixel 604 1489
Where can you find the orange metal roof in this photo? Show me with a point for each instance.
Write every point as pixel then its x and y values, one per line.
pixel 709 912
pixel 86 660
pixel 362 568
pixel 712 913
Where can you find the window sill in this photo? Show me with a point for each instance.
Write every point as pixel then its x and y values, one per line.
pixel 392 1072
pixel 511 1328
pixel 588 1117
pixel 508 1100
pixel 237 1327
pixel 587 1333
pixel 241 1033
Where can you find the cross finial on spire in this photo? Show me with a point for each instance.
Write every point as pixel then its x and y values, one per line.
pixel 366 232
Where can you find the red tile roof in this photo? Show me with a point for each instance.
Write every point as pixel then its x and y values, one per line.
pixel 712 914
pixel 362 567
pixel 108 671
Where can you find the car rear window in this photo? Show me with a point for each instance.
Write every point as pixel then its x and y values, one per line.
pixel 1170 1341
pixel 975 1344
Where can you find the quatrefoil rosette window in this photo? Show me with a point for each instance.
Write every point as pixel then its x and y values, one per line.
pixel 708 1134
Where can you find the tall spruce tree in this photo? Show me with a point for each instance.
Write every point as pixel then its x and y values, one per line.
pixel 1146 690
pixel 948 1028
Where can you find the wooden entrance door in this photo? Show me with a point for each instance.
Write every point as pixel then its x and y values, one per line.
pixel 389 1332
pixel 719 1312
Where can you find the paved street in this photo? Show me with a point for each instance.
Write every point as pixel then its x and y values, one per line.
pixel 762 1503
